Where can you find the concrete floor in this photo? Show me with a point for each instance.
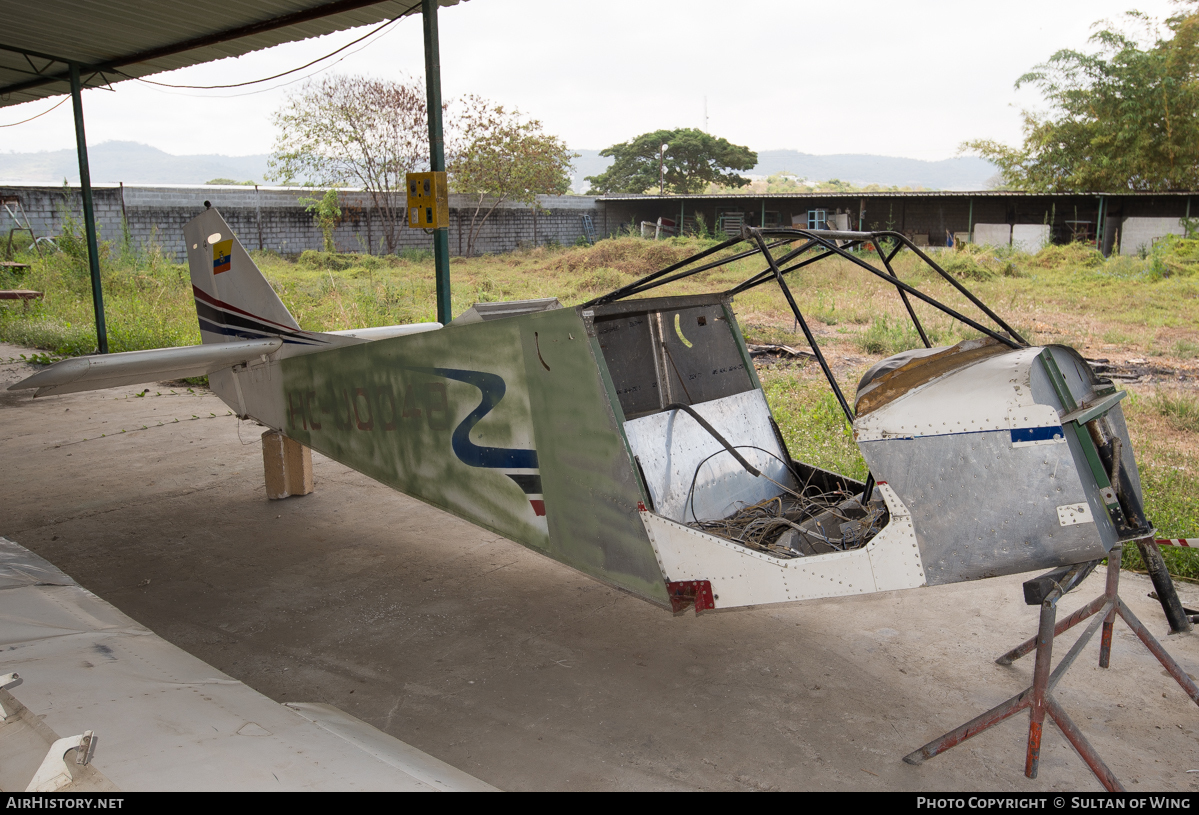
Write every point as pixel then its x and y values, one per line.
pixel 525 673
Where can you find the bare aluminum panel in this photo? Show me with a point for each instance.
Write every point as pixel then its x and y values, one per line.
pixel 983 462
pixel 673 449
pixel 988 394
pixel 480 312
pixel 132 367
pixel 1081 382
pixel 982 508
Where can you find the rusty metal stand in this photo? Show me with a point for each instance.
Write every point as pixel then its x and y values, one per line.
pixel 1039 698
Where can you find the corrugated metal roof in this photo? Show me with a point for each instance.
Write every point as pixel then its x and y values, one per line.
pixel 889 194
pixel 143 37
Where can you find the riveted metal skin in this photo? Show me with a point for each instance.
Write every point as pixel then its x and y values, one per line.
pixel 996 484
pixel 743 577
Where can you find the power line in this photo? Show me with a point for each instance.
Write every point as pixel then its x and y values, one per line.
pixel 370 33
pixel 38 116
pixel 260 90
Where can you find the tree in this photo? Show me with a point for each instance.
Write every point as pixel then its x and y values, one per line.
pixel 326 213
pixel 692 161
pixel 355 131
pixel 497 155
pixel 1125 117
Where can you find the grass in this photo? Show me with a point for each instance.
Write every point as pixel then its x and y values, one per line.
pixel 1164 428
pixel 886 336
pixel 1060 293
pixel 1180 410
pixel 1185 349
pixel 1068 294
pixel 812 422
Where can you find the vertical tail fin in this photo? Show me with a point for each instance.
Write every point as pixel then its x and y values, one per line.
pixel 233 300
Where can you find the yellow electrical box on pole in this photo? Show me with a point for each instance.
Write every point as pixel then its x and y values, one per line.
pixel 428 201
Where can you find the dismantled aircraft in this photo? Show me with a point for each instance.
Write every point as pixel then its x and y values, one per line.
pixel 630 438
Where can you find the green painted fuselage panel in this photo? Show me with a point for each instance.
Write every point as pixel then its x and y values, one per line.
pixel 505 423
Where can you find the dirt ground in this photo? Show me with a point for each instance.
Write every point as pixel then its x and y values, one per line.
pixel 527 674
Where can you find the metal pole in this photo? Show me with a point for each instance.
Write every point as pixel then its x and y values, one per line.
pixel 89 212
pixel 1040 683
pixel 1167 595
pixel 258 216
pixel 903 295
pixel 662 170
pixel 1173 668
pixel 1062 626
pixel 1111 590
pixel 441 236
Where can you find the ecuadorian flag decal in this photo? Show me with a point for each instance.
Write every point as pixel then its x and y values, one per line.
pixel 222 256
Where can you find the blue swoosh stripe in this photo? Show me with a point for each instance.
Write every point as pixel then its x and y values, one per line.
pixel 493 389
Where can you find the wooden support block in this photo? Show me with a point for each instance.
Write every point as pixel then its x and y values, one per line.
pixel 287 465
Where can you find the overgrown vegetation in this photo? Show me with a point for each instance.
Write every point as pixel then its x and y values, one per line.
pixel 1181 411
pixel 1165 432
pixel 147 298
pixel 1118 307
pixel 326 213
pixel 812 423
pixel 886 336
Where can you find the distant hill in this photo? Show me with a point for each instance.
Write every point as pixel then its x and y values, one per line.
pixel 130 162
pixel 965 173
pixel 136 163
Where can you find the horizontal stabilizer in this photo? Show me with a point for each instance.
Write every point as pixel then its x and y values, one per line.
pixel 133 367
pixel 383 332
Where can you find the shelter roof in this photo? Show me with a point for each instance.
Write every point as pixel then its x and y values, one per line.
pixel 737 196
pixel 115 40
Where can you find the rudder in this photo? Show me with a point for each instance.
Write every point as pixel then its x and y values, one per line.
pixel 233 300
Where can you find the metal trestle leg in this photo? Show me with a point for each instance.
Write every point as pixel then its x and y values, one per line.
pixel 1039 697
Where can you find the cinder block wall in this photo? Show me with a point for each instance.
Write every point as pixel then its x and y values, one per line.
pixel 273 218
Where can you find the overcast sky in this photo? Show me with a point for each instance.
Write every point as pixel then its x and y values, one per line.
pixel 875 76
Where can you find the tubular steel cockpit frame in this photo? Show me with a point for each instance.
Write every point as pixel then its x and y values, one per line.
pixel 831 243
pixel 1060 403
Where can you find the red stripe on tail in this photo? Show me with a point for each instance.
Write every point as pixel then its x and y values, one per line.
pixel 200 294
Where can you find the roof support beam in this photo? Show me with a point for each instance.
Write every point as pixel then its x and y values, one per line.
pixel 441 235
pixel 89 211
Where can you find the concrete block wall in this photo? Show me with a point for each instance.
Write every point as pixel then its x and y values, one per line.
pixel 992 234
pixel 1030 237
pixel 49 208
pixel 274 218
pixel 1138 234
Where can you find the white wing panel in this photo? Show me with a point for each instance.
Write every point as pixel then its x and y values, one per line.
pixel 133 367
